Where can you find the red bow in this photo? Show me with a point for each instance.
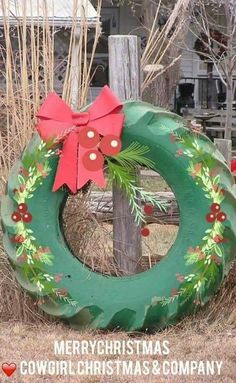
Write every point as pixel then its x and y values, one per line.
pixel 81 133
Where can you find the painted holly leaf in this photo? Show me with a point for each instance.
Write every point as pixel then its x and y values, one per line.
pixel 218 251
pixel 216 180
pixel 21 179
pixel 20 250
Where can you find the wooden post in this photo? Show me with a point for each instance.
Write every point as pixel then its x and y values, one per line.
pixel 124 78
pixel 225 147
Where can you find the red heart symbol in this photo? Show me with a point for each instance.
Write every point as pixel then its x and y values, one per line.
pixel 9 368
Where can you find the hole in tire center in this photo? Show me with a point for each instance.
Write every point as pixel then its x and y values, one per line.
pixel 87 224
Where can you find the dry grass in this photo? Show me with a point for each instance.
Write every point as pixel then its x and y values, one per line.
pixel 14 302
pixel 29 77
pixel 191 340
pixel 212 329
pixel 160 41
pixel 92 241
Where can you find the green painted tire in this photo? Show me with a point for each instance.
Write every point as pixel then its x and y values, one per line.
pixel 186 278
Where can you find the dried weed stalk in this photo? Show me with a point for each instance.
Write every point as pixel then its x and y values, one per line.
pixel 27 66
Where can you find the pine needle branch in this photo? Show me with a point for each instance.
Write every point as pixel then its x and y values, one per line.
pixel 134 156
pixel 125 178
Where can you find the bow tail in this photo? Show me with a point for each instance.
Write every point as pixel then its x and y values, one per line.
pixel 67 167
pixel 84 175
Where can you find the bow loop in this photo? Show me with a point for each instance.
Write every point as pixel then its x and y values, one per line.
pixel 80 133
pixel 105 104
pixel 54 108
pixel 80 119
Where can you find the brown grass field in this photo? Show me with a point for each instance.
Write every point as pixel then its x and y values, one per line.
pixel 25 332
pixel 194 339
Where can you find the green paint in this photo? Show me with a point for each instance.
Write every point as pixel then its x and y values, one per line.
pixel 163 294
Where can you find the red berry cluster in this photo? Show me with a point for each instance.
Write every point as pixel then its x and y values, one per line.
pixel 148 209
pixel 22 258
pixel 109 145
pixel 21 214
pixel 216 259
pixel 17 239
pixel 216 214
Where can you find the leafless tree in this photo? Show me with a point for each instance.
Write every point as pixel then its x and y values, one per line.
pixel 214 24
pixel 166 23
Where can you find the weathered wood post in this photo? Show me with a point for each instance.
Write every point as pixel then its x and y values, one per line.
pixel 124 78
pixel 225 147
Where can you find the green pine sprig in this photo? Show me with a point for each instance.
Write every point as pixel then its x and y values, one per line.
pixel 134 156
pixel 121 169
pixel 125 179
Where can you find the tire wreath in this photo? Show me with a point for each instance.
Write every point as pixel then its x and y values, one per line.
pixel 188 276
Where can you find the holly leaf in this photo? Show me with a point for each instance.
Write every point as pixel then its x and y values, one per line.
pixel 21 179
pixel 216 180
pixel 218 251
pixel 19 251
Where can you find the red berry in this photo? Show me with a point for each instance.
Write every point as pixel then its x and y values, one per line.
pixel 218 239
pixel 173 137
pixel 20 239
pixel 211 217
pixel 221 217
pixel 215 208
pixel 16 217
pixel 58 278
pixel 145 232
pixel 22 187
pixel 22 258
pixel 93 160
pixel 88 137
pixel 110 145
pixel 233 165
pixel 22 207
pixel 148 209
pixel 179 153
pixel 13 239
pixel 24 172
pixel 27 217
